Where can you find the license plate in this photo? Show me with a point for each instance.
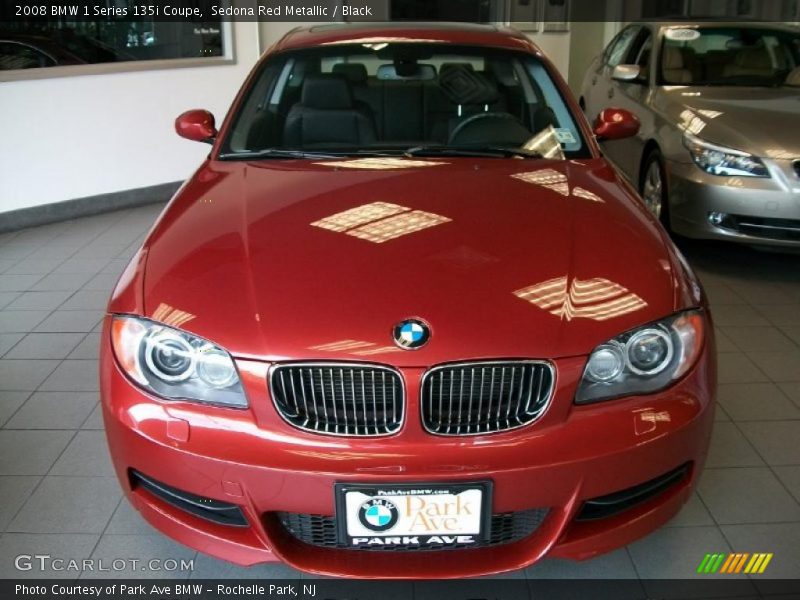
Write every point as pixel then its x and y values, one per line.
pixel 412 515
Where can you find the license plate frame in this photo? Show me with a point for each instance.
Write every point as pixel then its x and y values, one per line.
pixel 388 490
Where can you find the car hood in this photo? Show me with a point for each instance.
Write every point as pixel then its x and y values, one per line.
pixel 502 258
pixel 762 121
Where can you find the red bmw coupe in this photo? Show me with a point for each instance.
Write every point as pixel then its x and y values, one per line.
pixel 406 321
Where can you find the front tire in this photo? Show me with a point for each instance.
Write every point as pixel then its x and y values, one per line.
pixel 653 187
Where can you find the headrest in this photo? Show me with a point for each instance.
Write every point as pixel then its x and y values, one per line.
pixel 301 70
pixel 673 57
pixel 326 92
pixel 463 86
pixel 451 66
pixel 753 58
pixel 503 71
pixel 355 73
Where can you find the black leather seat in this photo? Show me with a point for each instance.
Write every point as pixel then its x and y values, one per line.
pixel 355 73
pixel 327 116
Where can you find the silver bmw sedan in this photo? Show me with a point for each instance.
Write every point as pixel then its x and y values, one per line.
pixel 718 152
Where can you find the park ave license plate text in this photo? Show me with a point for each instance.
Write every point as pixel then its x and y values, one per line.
pixel 413 517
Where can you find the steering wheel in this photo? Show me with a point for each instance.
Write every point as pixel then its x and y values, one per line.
pixel 490 127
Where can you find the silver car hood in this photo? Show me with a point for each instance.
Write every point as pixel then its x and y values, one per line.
pixel 762 121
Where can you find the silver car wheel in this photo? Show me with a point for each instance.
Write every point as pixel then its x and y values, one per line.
pixel 652 191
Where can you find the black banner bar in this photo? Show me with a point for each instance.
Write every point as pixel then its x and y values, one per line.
pixel 339 589
pixel 515 11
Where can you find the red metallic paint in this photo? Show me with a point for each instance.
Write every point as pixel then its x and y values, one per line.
pixel 245 229
pixel 236 249
pixel 616 124
pixel 196 125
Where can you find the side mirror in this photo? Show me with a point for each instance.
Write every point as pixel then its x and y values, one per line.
pixel 627 73
pixel 616 124
pixel 196 125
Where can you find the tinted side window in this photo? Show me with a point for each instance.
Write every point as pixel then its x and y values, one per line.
pixel 619 48
pixel 641 52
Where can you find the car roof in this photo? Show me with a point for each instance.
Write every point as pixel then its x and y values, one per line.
pixel 467 34
pixel 714 22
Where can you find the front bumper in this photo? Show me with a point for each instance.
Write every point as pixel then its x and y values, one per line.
pixel 757 211
pixel 254 460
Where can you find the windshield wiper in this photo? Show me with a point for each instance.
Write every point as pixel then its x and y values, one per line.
pixel 478 151
pixel 276 153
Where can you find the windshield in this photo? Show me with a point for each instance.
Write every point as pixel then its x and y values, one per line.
pixel 402 98
pixel 730 56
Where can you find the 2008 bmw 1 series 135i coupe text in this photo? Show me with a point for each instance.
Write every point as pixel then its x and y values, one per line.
pixel 406 321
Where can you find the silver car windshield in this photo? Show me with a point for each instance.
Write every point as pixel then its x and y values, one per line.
pixel 731 56
pixel 384 98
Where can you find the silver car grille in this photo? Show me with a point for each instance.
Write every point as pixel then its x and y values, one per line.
pixel 339 398
pixel 484 397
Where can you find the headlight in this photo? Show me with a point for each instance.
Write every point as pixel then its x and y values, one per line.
pixel 719 160
pixel 644 360
pixel 174 364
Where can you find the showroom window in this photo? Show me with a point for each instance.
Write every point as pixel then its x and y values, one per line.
pixel 48 46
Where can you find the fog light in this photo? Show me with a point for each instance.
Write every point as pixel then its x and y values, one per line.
pixel 716 218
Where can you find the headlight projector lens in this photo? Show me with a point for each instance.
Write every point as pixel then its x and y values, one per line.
pixel 170 357
pixel 649 351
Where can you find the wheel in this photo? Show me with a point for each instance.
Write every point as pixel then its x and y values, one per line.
pixel 653 187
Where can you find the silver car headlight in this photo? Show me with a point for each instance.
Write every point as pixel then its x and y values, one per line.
pixel 719 160
pixel 644 360
pixel 174 364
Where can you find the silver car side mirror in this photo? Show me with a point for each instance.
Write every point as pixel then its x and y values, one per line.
pixel 626 72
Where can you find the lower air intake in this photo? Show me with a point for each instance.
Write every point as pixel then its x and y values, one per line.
pixel 320 531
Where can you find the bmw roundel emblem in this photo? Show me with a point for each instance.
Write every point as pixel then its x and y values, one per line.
pixel 378 514
pixel 411 334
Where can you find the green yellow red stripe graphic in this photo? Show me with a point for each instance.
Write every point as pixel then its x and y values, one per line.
pixel 735 562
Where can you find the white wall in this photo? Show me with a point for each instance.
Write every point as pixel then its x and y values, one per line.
pixel 70 137
pixel 556 47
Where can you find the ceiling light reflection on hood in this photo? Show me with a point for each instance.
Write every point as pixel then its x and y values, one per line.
pixel 596 299
pixel 355 347
pixel 169 315
pixel 557 182
pixel 380 222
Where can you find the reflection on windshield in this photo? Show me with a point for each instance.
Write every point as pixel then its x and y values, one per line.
pixel 546 143
pixel 380 163
pixel 596 299
pixel 379 222
pixel 381 96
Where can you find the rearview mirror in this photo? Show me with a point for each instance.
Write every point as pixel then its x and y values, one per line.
pixel 616 124
pixel 627 73
pixel 196 125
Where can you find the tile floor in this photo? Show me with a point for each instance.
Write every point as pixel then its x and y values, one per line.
pixel 58 494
